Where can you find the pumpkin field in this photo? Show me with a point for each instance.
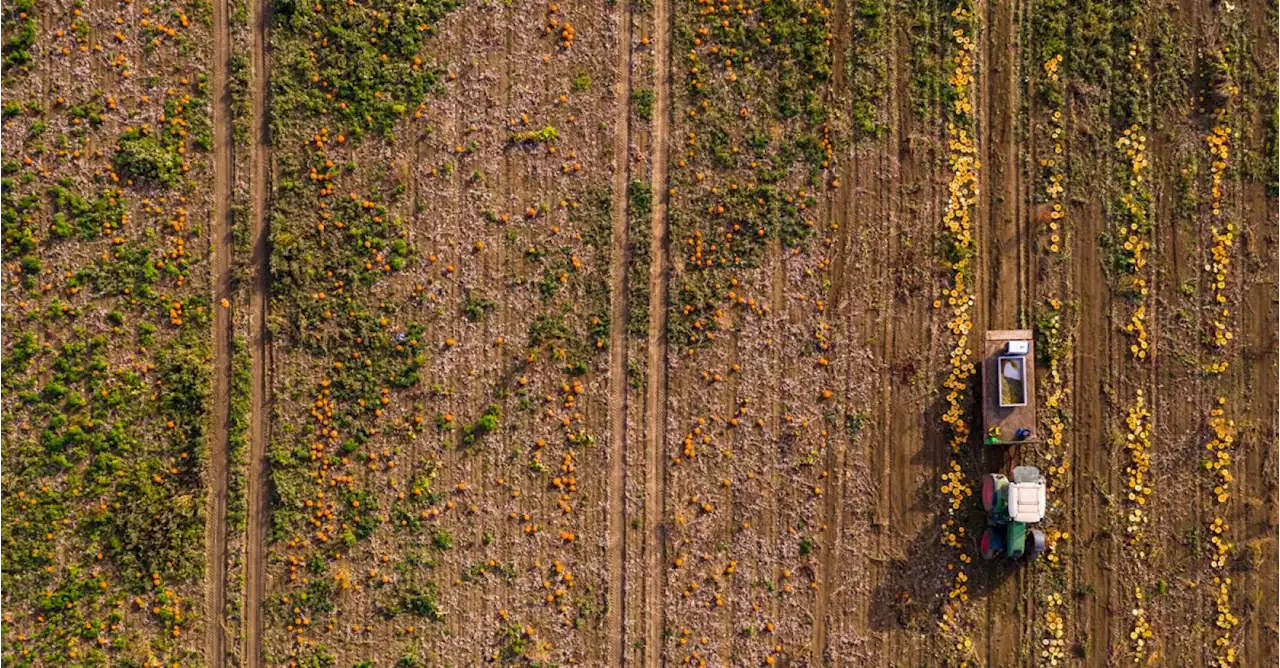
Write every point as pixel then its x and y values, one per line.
pixel 415 333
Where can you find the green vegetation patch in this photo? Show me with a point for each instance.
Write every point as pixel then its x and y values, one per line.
pixel 20 35
pixel 85 219
pixel 140 156
pixel 867 76
pixel 357 64
pixel 642 101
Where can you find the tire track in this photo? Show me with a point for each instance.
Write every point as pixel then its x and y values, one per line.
pixel 1256 510
pixel 216 516
pixel 1092 472
pixel 905 147
pixel 656 390
pixel 257 482
pixel 1001 284
pixel 638 374
pixel 889 159
pixel 1094 362
pixel 835 450
pixel 619 308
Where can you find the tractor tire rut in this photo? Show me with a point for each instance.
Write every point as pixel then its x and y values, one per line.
pixel 656 391
pixel 216 516
pixel 258 518
pixel 619 308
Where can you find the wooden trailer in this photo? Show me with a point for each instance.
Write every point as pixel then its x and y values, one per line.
pixel 1009 387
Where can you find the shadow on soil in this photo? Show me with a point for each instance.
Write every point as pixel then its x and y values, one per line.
pixel 916 585
pixel 908 599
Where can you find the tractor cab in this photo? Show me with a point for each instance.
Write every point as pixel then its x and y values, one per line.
pixel 1011 507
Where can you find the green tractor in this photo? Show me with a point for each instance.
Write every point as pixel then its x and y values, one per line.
pixel 1011 507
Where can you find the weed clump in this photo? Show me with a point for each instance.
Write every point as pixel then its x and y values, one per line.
pixel 642 101
pixel 543 136
pixel 141 157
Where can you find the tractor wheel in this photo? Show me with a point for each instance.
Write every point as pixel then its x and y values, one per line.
pixel 993 485
pixel 992 543
pixel 1037 544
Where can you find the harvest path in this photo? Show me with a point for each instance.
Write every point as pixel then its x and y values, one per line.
pixel 1002 247
pixel 620 262
pixel 655 469
pixel 835 456
pixel 258 518
pixel 216 526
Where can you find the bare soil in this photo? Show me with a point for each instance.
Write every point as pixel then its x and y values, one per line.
pixel 216 526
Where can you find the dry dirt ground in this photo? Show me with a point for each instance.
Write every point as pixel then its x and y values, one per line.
pixel 641 332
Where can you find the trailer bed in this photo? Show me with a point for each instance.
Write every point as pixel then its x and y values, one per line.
pixel 1005 380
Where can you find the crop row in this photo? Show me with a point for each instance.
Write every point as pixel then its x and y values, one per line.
pixel 1217 270
pixel 1055 320
pixel 961 252
pixel 1129 239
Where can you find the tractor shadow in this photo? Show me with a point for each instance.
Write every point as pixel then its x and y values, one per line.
pixel 915 585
